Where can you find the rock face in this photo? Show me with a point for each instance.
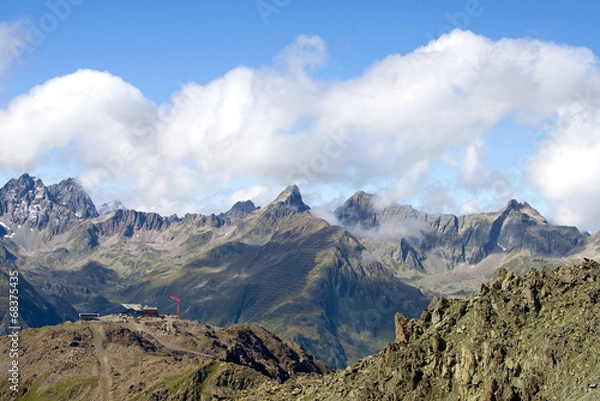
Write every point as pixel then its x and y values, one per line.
pixel 358 210
pixel 509 342
pixel 127 222
pixel 71 194
pixel 462 239
pixel 27 201
pixel 532 337
pixel 291 198
pixel 427 248
pixel 239 210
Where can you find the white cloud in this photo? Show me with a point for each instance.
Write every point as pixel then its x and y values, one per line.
pixel 306 52
pixel 255 193
pixel 472 160
pixel 567 166
pixel 253 131
pixel 13 37
pixel 99 111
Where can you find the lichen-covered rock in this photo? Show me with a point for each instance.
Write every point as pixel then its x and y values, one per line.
pixel 523 338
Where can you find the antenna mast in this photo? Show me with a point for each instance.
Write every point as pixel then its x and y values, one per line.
pixel 178 300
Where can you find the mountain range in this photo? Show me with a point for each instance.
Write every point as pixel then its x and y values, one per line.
pixel 445 254
pixel 332 288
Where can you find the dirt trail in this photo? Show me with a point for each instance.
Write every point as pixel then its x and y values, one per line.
pixel 167 344
pixel 104 368
pixel 176 347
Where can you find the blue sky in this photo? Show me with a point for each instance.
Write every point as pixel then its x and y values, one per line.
pixel 283 84
pixel 157 48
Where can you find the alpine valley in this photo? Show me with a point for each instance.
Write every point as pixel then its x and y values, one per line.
pixel 334 289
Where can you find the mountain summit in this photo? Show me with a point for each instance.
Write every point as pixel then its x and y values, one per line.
pixel 513 206
pixel 449 254
pixel 358 210
pixel 291 199
pixel 239 210
pixel 27 201
pixel 71 194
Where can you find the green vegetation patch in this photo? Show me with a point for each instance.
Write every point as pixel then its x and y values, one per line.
pixel 70 389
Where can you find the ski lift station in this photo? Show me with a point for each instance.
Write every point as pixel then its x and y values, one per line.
pixel 139 310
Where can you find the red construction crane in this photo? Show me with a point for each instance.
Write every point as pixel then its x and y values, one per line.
pixel 178 300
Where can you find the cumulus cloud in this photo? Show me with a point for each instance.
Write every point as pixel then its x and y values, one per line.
pixel 98 111
pixel 253 131
pixel 567 166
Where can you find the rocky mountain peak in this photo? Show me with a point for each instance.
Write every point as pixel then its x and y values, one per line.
pixel 240 210
pixel 22 186
pixel 362 200
pixel 358 210
pixel 292 199
pixel 26 200
pixel 22 198
pixel 70 193
pixel 513 206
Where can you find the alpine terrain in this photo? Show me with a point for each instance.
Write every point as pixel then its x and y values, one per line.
pixel 521 338
pixel 278 266
pixel 332 288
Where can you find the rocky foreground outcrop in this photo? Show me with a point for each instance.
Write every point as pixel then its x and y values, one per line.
pixel 532 337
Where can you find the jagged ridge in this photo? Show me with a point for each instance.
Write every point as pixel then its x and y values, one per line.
pixel 277 266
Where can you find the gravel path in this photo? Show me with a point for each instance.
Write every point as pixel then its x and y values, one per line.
pixel 104 368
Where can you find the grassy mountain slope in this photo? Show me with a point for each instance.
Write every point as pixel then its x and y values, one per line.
pixel 36 309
